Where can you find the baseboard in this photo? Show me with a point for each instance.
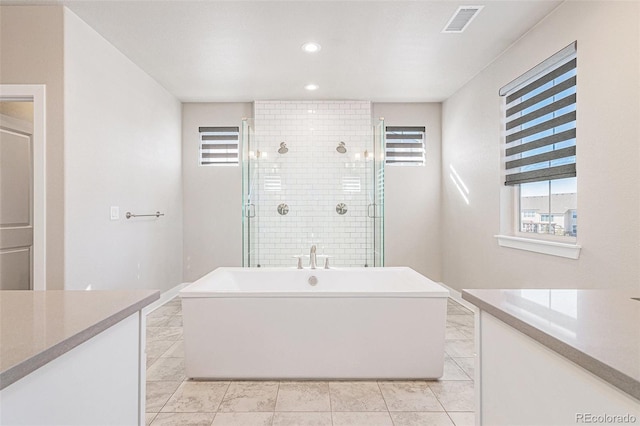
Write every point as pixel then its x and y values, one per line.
pixel 457 296
pixel 164 298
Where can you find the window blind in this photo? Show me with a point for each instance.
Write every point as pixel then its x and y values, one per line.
pixel 219 145
pixel 540 121
pixel 404 145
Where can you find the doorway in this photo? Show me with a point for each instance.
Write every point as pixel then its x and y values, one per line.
pixel 22 187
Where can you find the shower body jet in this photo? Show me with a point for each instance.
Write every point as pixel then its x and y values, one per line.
pixel 283 148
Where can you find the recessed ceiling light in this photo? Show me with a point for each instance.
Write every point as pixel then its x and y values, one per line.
pixel 311 47
pixel 312 87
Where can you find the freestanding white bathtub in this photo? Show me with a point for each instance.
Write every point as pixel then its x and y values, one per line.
pixel 354 323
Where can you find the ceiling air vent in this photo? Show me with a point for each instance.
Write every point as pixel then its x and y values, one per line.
pixel 461 19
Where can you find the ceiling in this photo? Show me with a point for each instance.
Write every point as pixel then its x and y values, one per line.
pixel 384 51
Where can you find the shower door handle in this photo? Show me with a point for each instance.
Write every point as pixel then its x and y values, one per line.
pixel 369 210
pixel 250 210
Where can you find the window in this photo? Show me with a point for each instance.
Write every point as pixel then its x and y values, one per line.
pixel 404 146
pixel 218 146
pixel 540 145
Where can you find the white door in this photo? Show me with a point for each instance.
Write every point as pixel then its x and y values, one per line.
pixel 16 204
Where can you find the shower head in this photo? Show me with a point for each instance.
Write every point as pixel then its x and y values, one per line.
pixel 283 148
pixel 341 148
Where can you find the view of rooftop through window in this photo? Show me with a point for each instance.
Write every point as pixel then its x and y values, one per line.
pixel 549 207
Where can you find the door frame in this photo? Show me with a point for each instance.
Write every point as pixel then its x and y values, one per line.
pixel 35 93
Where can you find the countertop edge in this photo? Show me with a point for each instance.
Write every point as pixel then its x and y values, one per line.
pixel 29 365
pixel 600 369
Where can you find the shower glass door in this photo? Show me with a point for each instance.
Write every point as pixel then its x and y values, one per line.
pixel 313 175
pixel 378 193
pixel 249 197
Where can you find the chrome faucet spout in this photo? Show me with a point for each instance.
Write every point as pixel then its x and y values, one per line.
pixel 312 257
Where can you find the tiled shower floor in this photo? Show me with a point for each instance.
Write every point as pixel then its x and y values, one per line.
pixel 173 400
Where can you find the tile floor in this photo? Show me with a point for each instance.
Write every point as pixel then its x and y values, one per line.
pixel 173 400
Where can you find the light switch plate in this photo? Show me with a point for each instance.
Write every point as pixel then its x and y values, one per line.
pixel 115 212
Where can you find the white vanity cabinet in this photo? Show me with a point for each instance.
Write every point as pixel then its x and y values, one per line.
pixel 73 358
pixel 553 357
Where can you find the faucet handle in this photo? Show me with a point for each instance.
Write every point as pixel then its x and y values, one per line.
pixel 299 257
pixel 326 260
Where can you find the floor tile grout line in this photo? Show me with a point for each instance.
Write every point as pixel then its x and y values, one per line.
pixel 151 422
pixel 223 395
pixel 330 403
pixel 459 366
pixel 452 421
pixel 437 399
pixel 273 416
pixel 170 396
pixel 385 401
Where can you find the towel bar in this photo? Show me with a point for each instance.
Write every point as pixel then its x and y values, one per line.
pixel 129 215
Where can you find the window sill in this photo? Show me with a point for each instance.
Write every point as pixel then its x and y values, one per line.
pixel 570 251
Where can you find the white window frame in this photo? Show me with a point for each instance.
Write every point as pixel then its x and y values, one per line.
pixel 406 129
pixel 555 245
pixel 219 131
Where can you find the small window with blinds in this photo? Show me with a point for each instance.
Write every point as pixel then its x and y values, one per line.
pixel 404 146
pixel 219 146
pixel 540 144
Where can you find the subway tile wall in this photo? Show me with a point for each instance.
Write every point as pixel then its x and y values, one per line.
pixel 312 178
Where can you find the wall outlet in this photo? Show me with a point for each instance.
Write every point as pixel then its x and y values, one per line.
pixel 115 213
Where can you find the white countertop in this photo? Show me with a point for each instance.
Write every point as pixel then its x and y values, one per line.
pixel 597 329
pixel 36 327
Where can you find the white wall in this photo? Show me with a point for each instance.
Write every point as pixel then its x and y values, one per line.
pixel 31 46
pixel 412 194
pixel 212 195
pixel 122 148
pixel 608 158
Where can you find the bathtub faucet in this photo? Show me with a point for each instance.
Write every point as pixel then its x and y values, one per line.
pixel 312 257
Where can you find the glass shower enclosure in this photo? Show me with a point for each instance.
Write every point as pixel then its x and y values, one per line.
pixel 307 186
